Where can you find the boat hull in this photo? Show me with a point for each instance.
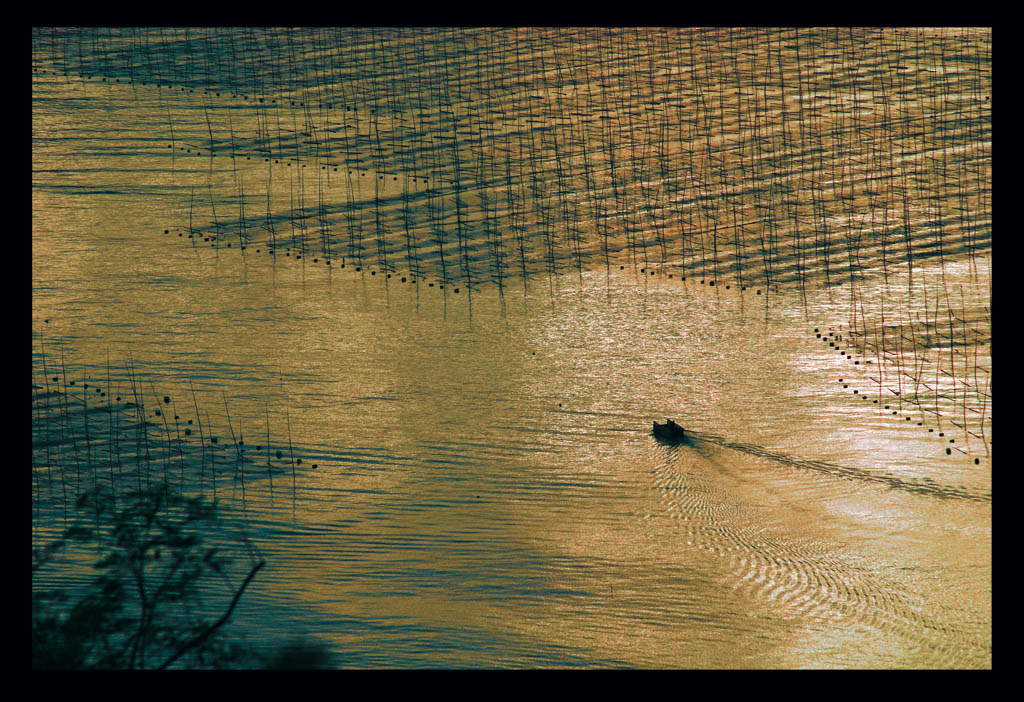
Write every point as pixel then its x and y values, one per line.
pixel 670 431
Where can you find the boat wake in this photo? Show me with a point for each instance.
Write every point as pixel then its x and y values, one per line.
pixel 921 486
pixel 808 578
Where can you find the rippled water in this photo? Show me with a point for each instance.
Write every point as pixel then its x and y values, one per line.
pixel 487 490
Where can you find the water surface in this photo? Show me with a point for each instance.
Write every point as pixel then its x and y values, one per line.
pixel 487 491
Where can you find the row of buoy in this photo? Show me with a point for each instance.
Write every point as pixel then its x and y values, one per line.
pixel 213 238
pixel 887 407
pixel 240 443
pixel 212 153
pixel 405 278
pixel 157 413
pixel 711 283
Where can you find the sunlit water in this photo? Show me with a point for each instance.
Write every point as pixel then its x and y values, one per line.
pixel 487 490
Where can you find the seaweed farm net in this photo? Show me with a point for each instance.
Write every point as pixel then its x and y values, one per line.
pixel 113 433
pixel 404 302
pixel 858 159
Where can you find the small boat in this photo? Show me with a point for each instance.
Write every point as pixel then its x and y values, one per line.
pixel 669 430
